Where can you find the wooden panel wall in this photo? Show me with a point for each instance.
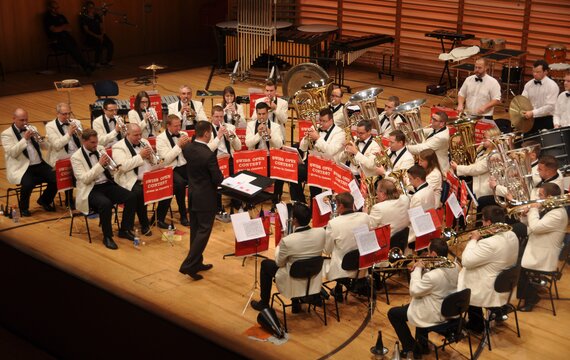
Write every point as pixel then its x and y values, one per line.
pixel 161 26
pixel 542 21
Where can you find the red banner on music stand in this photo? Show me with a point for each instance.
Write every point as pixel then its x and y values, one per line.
pixel 383 238
pixel 251 160
pixel 190 133
pixel 422 242
pixel 283 165
pixel 341 177
pixel 319 172
pixel 155 102
pixel 453 183
pixel 318 219
pixel 252 98
pixel 157 185
pixel 224 164
pixel 240 133
pixel 481 127
pixel 255 246
pixel 304 126
pixel 152 142
pixel 64 174
pixel 278 230
pixel 386 142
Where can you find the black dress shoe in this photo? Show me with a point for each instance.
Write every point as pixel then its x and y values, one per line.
pixel 47 207
pixel 527 307
pixel 258 305
pixel 162 224
pixel 205 267
pixel 146 231
pixel 127 234
pixel 195 276
pixel 184 222
pixel 26 212
pixel 109 243
pixel 296 307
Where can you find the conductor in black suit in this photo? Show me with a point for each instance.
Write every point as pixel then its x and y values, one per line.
pixel 204 177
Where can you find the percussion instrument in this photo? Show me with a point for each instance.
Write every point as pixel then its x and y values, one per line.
pixel 449 35
pixel 153 68
pixel 555 142
pixel 486 43
pixel 318 28
pixel 555 53
pixel 232 24
pixel 518 105
pixel 301 74
pixel 558 70
pixel 500 44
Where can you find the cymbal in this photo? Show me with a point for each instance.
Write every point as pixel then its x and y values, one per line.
pixel 518 105
pixel 153 67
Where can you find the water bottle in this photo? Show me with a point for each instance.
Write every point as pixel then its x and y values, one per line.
pixel 170 234
pixel 137 240
pixel 15 215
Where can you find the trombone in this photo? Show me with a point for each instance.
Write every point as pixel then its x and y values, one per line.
pixel 399 261
pixel 454 238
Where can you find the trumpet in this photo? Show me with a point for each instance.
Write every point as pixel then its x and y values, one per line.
pixel 154 159
pixel 399 261
pixel 153 118
pixel 35 133
pixel 112 166
pixel 453 238
pixel 229 135
pixel 122 126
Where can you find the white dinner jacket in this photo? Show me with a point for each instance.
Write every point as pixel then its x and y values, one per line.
pixel 172 156
pixel 438 143
pixel 57 143
pixel 105 138
pixel 125 176
pixel 393 212
pixel 16 162
pixel 252 138
pixel 235 144
pixel 425 198
pixel 198 107
pixel 480 172
pixel 279 116
pixel 85 178
pixel 364 161
pixel 333 146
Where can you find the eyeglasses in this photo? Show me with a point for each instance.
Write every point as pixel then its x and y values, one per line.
pixel 65 113
pixel 144 101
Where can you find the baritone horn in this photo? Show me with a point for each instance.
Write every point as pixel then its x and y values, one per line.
pixel 462 143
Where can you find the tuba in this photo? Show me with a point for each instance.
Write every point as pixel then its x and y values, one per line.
pixel 412 128
pixel 366 101
pixel 462 143
pixel 310 99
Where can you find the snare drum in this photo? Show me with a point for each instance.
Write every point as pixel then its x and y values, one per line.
pixel 555 142
pixel 555 53
pixel 558 70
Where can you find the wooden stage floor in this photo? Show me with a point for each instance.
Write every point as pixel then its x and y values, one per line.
pixel 212 307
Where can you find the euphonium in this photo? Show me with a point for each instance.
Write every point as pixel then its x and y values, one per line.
pixel 122 126
pixel 399 261
pixel 348 139
pixel 382 158
pixel 112 166
pixel 154 159
pixel 310 100
pixel 453 238
pixel 516 208
pixel 461 144
pixel 412 128
pixel 35 133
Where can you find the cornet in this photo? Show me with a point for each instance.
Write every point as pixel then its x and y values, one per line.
pixel 265 136
pixel 229 135
pixel 153 118
pixel 35 134
pixel 112 166
pixel 122 126
pixel 232 113
pixel 79 129
pixel 189 115
pixel 154 159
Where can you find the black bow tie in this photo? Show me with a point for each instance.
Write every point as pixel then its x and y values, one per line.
pixel 23 131
pixel 94 153
pixel 537 82
pixel 477 78
pixel 175 136
pixel 393 154
pixel 137 145
pixel 567 93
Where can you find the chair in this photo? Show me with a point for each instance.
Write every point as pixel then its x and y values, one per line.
pixel 454 307
pixel 505 282
pixel 105 88
pixel 305 269
pixel 91 213
pixel 399 240
pixel 546 279
pixel 16 190
pixel 350 262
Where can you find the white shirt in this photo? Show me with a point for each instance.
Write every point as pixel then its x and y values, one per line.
pixel 71 145
pixel 562 110
pixel 32 153
pixel 145 167
pixel 542 97
pixel 479 93
pixel 94 160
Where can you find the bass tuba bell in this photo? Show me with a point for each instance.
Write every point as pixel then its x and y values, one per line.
pixel 462 143
pixel 366 101
pixel 412 128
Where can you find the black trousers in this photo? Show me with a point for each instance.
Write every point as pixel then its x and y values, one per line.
pixel 398 317
pixel 475 314
pixel 180 180
pixel 201 223
pixel 266 274
pixel 102 198
pixel 140 206
pixel 99 46
pixel 544 122
pixel 67 43
pixel 35 175
pixel 525 290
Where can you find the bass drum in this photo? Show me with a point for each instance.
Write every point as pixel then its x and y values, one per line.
pixel 301 74
pixel 555 142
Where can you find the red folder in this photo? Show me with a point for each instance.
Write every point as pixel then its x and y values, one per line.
pixel 422 242
pixel 255 246
pixel 383 238
pixel 318 219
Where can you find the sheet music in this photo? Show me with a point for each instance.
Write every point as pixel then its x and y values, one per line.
pixel 422 224
pixel 415 212
pixel 356 194
pixel 283 215
pixel 472 196
pixel 324 207
pixel 366 242
pixel 244 178
pixel 247 188
pixel 245 228
pixel 454 205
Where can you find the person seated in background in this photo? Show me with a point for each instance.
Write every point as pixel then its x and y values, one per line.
pixel 233 112
pixel 427 290
pixel 546 231
pixel 188 110
pixel 143 116
pixel 428 160
pixel 336 107
pixel 58 31
pixel 423 196
pixel 107 126
pixel 391 208
pixel 93 27
pixel 384 123
pixel 437 139
pixel 304 243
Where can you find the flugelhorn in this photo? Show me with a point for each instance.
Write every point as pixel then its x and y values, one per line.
pixel 79 128
pixel 154 159
pixel 399 261
pixel 453 238
pixel 35 133
pixel 112 166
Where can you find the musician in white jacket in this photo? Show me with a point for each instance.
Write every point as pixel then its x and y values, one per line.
pixel 25 164
pixel 427 290
pixel 360 155
pixel 336 107
pixel 482 260
pixel 188 110
pixel 145 116
pixel 391 208
pixel 278 108
pixel 107 127
pixel 400 157
pixel 96 189
pixel 437 139
pixel 423 196
pixel 303 243
pixel 134 159
pixel 384 123
pixel 546 231
pixel 169 146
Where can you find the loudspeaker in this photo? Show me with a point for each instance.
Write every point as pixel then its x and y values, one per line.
pixel 268 320
pixel 436 89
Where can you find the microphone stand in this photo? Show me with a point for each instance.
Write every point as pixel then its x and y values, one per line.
pixel 255 279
